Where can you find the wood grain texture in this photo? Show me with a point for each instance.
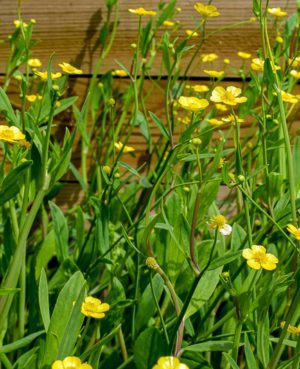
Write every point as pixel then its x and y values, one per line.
pixel 70 29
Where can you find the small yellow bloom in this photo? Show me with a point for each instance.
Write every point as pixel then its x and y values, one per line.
pixel 11 134
pixel 32 98
pixel 215 122
pixel 106 169
pixel 151 263
pixel 191 33
pixel 221 107
pixel 219 222
pixel 214 73
pixel 169 362
pixel 230 119
pixel 244 55
pixel 184 120
pixel 290 98
pixel 70 362
pixel 119 73
pixel 277 12
pixel 34 63
pixel 44 75
pixel 222 162
pixel 119 146
pixel 291 328
pixel 94 308
pixel 226 61
pixel 208 57
pixel 294 231
pixel 68 68
pixel 206 10
pixel 168 23
pixel 257 64
pixel 193 103
pixel 142 11
pixel 228 96
pixel 258 258
pixel 294 63
pixel 279 39
pixel 18 23
pixel 200 88
pixel 295 74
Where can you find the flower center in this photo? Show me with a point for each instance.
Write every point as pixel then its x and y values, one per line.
pixel 219 221
pixel 229 96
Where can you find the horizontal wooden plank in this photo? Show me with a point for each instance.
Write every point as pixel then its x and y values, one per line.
pixel 70 29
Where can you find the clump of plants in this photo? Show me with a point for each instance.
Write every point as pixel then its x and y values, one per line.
pixel 188 259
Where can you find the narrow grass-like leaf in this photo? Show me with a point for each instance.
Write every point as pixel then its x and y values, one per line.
pixel 44 299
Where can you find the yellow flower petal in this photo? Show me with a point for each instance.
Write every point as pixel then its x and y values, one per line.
pixel 254 264
pixel 247 254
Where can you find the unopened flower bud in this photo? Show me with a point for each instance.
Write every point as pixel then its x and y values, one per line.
pixel 195 141
pixel 186 189
pixel 151 263
pixel 106 169
pixel 111 102
pixel 241 178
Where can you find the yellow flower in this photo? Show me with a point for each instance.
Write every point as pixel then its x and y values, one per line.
pixel 294 63
pixel 119 73
pixel 219 222
pixel 191 33
pixel 11 134
pixel 215 122
pixel 228 96
pixel 222 162
pixel 208 57
pixel 290 98
pixel 184 120
pixel 18 23
pixel 119 146
pixel 34 63
pixel 70 362
pixel 257 258
pixel 291 328
pixel 200 88
pixel 244 55
pixel 221 107
pixel 68 68
pixel 142 11
pixel 168 23
pixel 279 38
pixel 152 263
pixel 294 231
pixel 277 12
pixel 169 362
pixel 257 64
pixel 230 119
pixel 44 75
pixel 295 74
pixel 226 61
pixel 32 98
pixel 206 10
pixel 193 103
pixel 214 73
pixel 94 308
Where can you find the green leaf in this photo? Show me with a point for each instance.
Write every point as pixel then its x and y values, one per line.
pixel 44 299
pixel 148 347
pixel 61 232
pixel 223 260
pixel 210 346
pixel 250 359
pixel 66 321
pixel 296 166
pixel 230 361
pixel 23 342
pixel 159 124
pixel 6 108
pixel 45 253
pixel 8 291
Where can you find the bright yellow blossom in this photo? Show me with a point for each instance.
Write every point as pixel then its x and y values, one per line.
pixel 193 103
pixel 34 63
pixel 208 57
pixel 142 11
pixel 295 74
pixel 221 107
pixel 226 61
pixel 11 134
pixel 44 75
pixel 168 23
pixel 279 38
pixel 68 68
pixel 258 258
pixel 277 12
pixel 70 362
pixel 119 146
pixel 291 328
pixel 222 162
pixel 206 10
pixel 94 308
pixel 119 73
pixel 294 231
pixel 18 23
pixel 191 33
pixel 231 119
pixel 219 222
pixel 228 96
pixel 290 98
pixel 200 88
pixel 169 362
pixel 257 64
pixel 214 73
pixel 32 98
pixel 244 55
pixel 215 122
